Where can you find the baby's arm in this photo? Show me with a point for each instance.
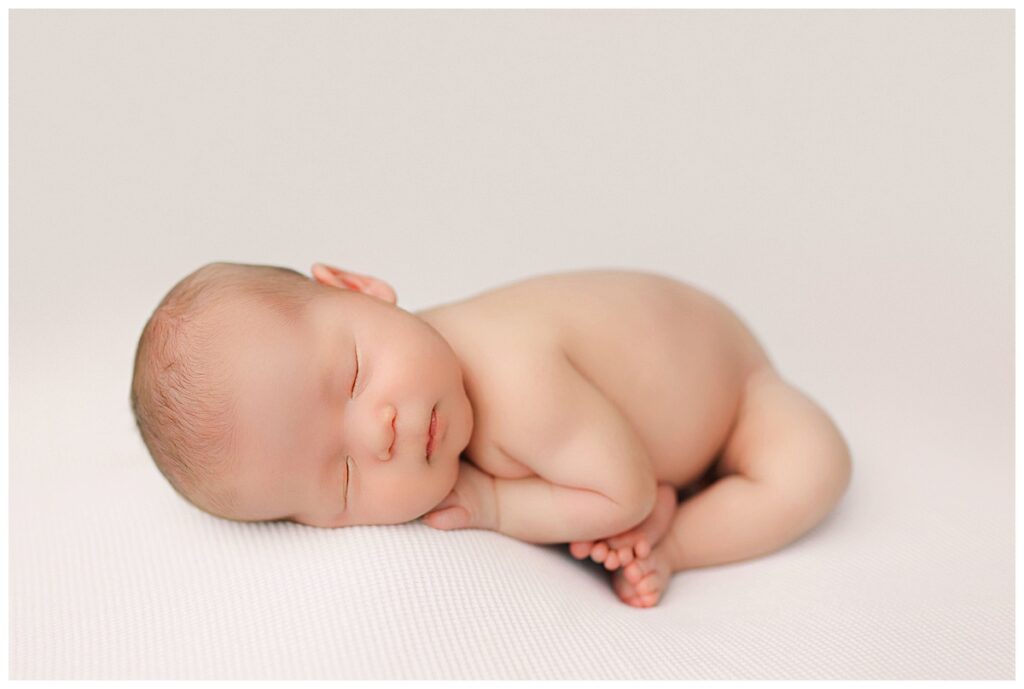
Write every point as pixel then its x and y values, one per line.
pixel 593 475
pixel 532 509
pixel 538 511
pixel 638 541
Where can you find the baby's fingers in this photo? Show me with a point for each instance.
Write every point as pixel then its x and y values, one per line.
pixel 448 518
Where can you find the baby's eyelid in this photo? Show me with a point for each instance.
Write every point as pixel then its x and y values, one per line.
pixel 355 378
pixel 348 479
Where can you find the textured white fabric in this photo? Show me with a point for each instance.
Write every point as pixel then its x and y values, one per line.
pixel 113 576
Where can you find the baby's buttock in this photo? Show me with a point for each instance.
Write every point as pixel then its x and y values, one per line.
pixel 675 364
pixel 717 356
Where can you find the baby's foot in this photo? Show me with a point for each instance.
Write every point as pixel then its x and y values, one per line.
pixel 642 582
pixel 623 548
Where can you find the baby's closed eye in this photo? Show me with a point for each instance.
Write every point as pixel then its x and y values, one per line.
pixel 355 378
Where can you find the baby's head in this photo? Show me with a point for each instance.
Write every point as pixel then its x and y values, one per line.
pixel 243 393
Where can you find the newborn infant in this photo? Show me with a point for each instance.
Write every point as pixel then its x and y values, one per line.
pixel 569 408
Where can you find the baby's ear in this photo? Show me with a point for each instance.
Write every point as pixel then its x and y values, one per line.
pixel 343 279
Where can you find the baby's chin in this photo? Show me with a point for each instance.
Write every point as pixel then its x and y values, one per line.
pixel 404 516
pixel 446 486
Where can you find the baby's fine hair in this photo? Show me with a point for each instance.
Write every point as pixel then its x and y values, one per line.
pixel 178 394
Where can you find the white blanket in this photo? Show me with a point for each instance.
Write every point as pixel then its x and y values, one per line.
pixel 114 576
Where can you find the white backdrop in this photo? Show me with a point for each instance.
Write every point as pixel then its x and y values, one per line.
pixel 842 179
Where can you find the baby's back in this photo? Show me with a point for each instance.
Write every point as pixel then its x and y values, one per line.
pixel 672 359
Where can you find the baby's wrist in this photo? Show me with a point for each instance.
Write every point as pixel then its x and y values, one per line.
pixel 487 517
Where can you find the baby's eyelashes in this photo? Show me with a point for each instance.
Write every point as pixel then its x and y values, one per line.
pixel 355 378
pixel 348 480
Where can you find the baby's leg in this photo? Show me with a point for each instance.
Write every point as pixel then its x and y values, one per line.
pixel 784 467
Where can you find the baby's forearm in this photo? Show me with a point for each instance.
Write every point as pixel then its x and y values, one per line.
pixel 538 511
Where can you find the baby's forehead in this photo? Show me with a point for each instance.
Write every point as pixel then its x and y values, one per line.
pixel 263 332
pixel 238 335
pixel 243 313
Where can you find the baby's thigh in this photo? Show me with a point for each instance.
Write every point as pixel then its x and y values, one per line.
pixel 785 439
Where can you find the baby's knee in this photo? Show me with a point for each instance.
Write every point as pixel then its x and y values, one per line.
pixel 787 442
pixel 823 477
pixel 836 460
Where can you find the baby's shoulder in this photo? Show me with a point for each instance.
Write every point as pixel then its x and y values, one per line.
pixel 508 356
pixel 507 325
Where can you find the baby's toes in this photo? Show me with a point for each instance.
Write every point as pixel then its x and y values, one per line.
pixel 624 540
pixel 624 589
pixel 634 541
pixel 581 549
pixel 651 583
pixel 637 569
pixel 647 601
pixel 612 561
pixel 599 552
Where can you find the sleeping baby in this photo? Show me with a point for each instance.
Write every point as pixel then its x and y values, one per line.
pixel 626 414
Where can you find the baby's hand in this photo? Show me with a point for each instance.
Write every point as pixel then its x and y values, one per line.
pixel 636 543
pixel 470 505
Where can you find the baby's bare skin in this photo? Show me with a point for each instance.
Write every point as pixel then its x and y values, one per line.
pixel 549 409
pixel 677 364
pixel 671 359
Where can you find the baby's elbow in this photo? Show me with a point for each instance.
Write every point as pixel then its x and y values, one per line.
pixel 638 500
